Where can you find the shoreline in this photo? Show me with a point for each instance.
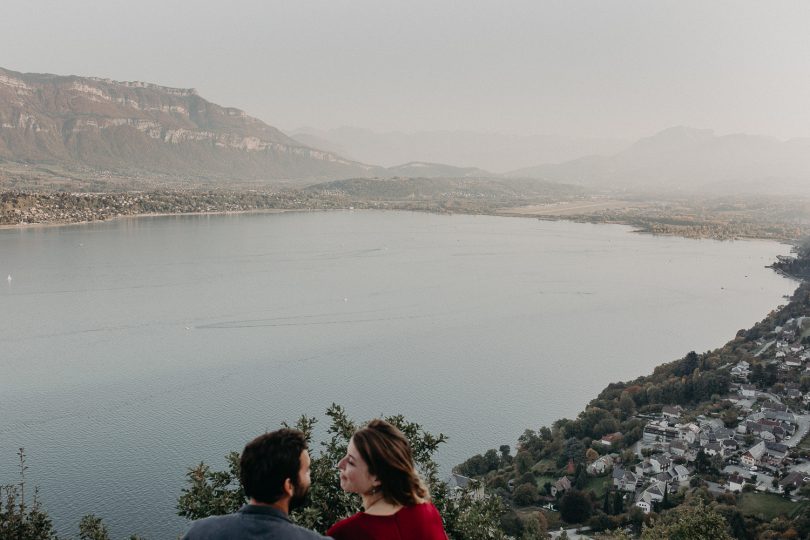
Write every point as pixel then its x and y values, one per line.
pixel 641 229
pixel 498 212
pixel 23 226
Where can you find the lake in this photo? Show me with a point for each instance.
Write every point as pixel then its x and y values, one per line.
pixel 133 349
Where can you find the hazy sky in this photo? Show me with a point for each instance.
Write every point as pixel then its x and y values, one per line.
pixel 591 68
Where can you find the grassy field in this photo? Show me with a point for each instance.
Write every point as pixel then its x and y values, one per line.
pixel 541 481
pixel 768 505
pixel 599 484
pixel 545 466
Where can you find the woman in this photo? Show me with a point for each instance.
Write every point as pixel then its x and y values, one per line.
pixel 379 467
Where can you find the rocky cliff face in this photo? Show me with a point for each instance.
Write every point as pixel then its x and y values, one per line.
pixel 142 128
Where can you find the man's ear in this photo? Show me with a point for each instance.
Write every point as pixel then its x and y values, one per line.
pixel 289 488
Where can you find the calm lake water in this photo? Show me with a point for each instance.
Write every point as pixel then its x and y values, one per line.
pixel 134 349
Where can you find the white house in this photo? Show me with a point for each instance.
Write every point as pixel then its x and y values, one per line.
pixel 560 486
pixel 690 432
pixel 659 464
pixel 611 438
pixel 735 482
pixel 753 455
pixel 742 369
pixel 713 449
pixel 600 466
pixel 457 484
pixel 793 362
pixel 660 432
pixel 654 493
pixel 678 448
pixel 624 480
pixel 681 473
pixel 729 447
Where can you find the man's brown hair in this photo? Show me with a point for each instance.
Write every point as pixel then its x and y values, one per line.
pixel 268 460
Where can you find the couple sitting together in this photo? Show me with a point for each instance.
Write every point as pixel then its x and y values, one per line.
pixel 378 466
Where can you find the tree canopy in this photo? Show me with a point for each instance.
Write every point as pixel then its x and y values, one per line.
pixel 465 517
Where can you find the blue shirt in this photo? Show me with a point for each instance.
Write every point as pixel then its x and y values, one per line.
pixel 250 522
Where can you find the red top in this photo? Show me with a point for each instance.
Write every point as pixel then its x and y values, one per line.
pixel 417 522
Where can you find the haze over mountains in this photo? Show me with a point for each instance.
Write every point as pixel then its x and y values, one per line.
pixel 142 129
pixel 495 152
pixel 695 160
pixel 677 159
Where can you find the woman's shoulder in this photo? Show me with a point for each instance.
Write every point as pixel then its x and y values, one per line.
pixel 422 508
pixel 344 524
pixel 424 512
pixel 422 518
pixel 361 526
pixel 423 521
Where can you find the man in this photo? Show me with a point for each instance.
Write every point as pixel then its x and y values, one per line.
pixel 274 471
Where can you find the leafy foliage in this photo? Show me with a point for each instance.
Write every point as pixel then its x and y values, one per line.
pixel 92 528
pixel 465 516
pixel 481 464
pixel 575 506
pixel 468 518
pixel 525 494
pixel 211 493
pixel 18 519
pixel 689 522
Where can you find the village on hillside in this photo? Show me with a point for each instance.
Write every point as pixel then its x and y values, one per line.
pixel 746 445
pixel 752 451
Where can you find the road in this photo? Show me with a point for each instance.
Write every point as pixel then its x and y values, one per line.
pixel 572 533
pixel 764 480
pixel 804 426
pixel 764 348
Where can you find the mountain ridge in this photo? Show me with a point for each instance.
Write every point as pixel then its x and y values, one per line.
pixel 143 128
pixel 489 151
pixel 682 158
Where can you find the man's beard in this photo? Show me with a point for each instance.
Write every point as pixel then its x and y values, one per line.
pixel 300 498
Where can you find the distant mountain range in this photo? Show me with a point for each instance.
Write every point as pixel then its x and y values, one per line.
pixel 139 130
pixel 678 159
pixel 490 151
pixel 418 169
pixel 142 128
pixel 691 160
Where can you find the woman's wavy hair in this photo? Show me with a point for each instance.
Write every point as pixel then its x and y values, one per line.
pixel 388 455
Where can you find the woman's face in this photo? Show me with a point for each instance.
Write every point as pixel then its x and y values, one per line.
pixel 354 475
